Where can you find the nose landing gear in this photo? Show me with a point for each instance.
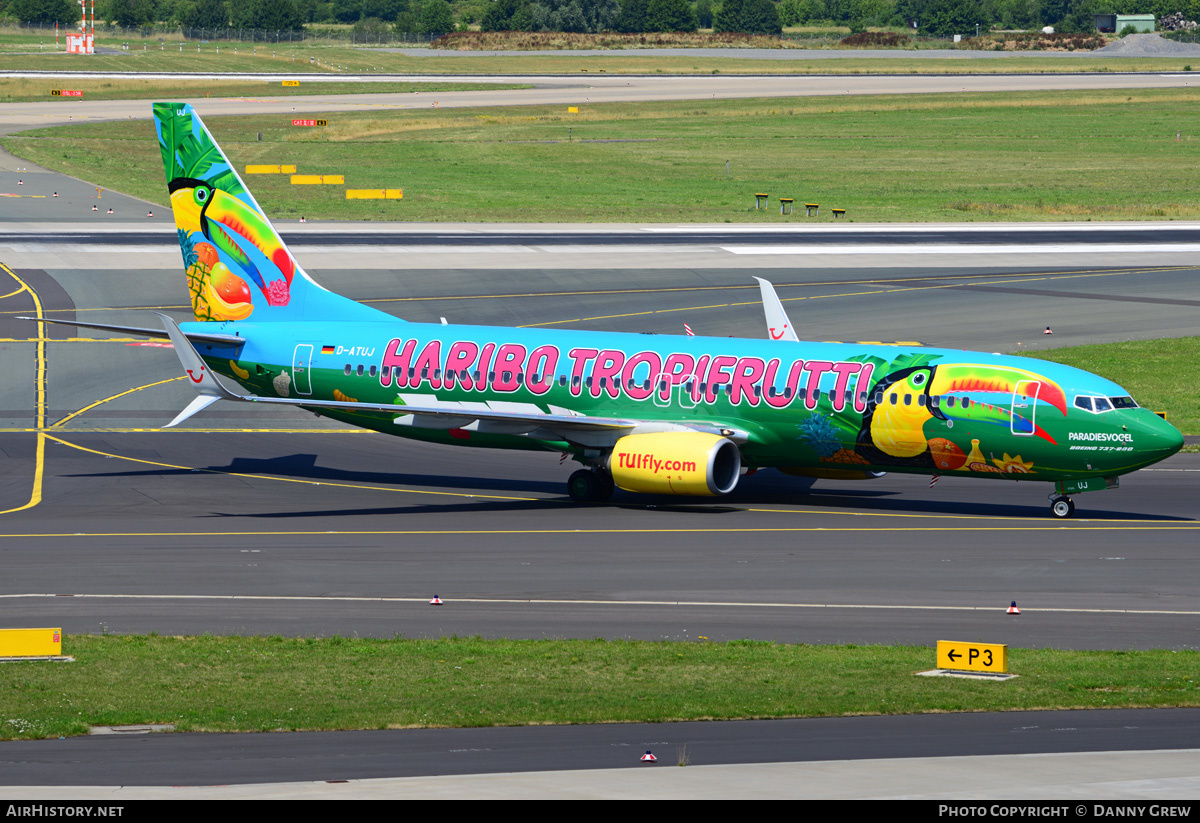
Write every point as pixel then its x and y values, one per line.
pixel 1061 507
pixel 590 486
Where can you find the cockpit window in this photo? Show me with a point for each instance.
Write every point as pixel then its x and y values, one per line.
pixel 1096 405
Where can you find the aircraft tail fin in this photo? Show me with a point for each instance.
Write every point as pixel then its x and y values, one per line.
pixel 237 264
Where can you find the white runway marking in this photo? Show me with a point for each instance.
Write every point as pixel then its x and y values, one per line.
pixel 973 248
pixel 568 602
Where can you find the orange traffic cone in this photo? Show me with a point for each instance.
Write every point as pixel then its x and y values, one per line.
pixel 1047 331
pixel 648 757
pixel 94 208
pixel 56 194
pixel 436 601
pixel 1013 608
pixel 149 214
pixel 110 211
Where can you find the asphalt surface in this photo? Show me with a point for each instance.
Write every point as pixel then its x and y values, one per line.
pixel 217 759
pixel 655 237
pixel 270 521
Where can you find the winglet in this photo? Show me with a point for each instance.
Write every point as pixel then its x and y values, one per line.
pixel 198 373
pixel 779 327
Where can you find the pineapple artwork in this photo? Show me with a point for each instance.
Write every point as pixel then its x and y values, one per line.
pixel 821 434
pixel 216 292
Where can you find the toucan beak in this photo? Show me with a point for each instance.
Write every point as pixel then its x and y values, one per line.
pixel 997 384
pixel 187 213
pixel 997 394
pixel 239 225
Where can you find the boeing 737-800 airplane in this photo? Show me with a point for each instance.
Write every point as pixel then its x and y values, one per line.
pixel 659 414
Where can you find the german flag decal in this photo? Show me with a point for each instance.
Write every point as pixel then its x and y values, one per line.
pixel 327 350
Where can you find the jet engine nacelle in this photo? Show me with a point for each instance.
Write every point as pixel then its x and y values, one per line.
pixel 691 463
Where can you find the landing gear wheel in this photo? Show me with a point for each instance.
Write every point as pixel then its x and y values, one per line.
pixel 1062 507
pixel 606 486
pixel 587 486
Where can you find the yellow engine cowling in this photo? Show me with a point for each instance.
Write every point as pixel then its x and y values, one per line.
pixel 691 463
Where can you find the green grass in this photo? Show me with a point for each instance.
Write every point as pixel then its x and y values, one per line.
pixel 1007 156
pixel 23 90
pixel 1158 373
pixel 262 684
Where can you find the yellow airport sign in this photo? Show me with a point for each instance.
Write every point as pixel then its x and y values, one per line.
pixel 268 169
pixel 318 179
pixel 291 82
pixel 30 642
pixel 374 194
pixel 572 109
pixel 972 657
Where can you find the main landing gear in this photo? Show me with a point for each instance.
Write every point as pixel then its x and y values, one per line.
pixel 1061 507
pixel 590 486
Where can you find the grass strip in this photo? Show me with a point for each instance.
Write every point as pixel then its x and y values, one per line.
pixel 1017 156
pixel 272 683
pixel 1153 371
pixel 23 90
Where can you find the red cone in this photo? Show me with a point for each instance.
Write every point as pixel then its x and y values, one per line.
pixel 436 601
pixel 1047 331
pixel 649 757
pixel 1013 608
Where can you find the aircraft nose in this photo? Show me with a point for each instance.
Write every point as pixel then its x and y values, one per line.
pixel 1156 437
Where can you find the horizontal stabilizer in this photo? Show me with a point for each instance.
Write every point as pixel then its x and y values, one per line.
pixel 213 338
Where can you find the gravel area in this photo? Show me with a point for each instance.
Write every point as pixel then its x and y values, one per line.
pixel 1148 45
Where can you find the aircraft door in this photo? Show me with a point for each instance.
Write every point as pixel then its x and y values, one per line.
pixel 1024 407
pixel 302 368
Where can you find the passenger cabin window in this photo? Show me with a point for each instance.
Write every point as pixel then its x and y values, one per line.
pixel 373 369
pixel 360 370
pixel 347 369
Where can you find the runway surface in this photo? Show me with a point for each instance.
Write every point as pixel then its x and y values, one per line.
pixel 591 89
pixel 857 757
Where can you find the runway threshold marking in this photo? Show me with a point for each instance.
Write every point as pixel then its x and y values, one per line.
pixel 35 495
pixel 580 602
